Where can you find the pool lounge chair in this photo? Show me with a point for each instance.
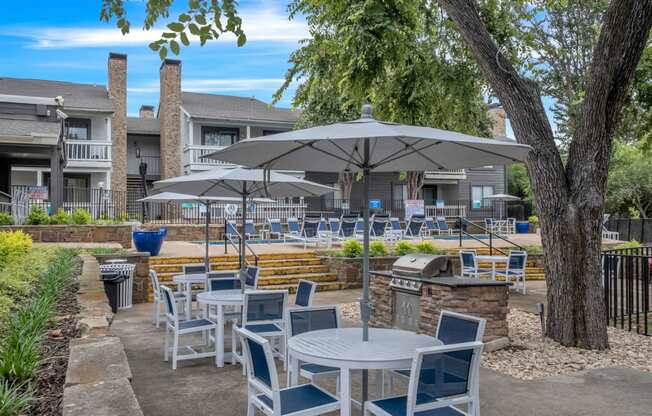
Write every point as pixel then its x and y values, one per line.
pixel 430 227
pixel 415 226
pixel 348 224
pixel 443 226
pixel 294 229
pixel 334 224
pixel 395 231
pixel 232 230
pixel 250 230
pixel 273 227
pixel 379 223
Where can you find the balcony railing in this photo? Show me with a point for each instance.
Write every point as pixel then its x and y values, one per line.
pixel 88 150
pixel 456 174
pixel 194 156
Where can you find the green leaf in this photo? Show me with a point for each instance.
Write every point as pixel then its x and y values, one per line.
pixel 242 39
pixel 176 27
pixel 194 29
pixel 184 39
pixel 184 18
pixel 174 47
pixel 154 46
pixel 169 35
pixel 201 19
pixel 163 53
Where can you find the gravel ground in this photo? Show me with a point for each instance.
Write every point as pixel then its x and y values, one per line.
pixel 531 357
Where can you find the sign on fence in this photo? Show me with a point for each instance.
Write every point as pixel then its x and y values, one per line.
pixel 414 207
pixel 374 204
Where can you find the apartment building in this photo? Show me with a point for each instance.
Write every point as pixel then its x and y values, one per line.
pixel 103 148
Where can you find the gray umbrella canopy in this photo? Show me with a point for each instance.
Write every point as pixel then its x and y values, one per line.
pixel 244 183
pixel 503 197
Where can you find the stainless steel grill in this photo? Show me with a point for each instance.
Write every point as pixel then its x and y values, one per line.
pixel 420 265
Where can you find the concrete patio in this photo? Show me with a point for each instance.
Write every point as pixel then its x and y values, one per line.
pixel 199 388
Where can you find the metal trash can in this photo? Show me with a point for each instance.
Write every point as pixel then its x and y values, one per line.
pixel 111 282
pixel 124 287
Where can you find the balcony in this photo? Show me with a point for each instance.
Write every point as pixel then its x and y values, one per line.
pixel 194 158
pixel 453 174
pixel 88 153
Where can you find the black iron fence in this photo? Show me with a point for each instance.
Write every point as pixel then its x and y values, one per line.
pixel 627 288
pixel 639 229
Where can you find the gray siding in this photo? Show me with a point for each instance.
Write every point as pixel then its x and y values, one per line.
pixel 480 176
pixel 380 186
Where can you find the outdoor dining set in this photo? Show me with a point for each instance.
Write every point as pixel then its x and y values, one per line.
pixel 441 370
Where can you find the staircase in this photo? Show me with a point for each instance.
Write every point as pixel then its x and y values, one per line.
pixel 134 193
pixel 532 271
pixel 278 270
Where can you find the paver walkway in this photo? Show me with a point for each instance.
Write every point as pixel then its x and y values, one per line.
pixel 199 388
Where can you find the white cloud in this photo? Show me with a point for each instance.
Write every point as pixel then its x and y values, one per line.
pixel 215 85
pixel 259 25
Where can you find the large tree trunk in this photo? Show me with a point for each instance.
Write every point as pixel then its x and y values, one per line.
pixel 569 199
pixel 345 181
pixel 414 183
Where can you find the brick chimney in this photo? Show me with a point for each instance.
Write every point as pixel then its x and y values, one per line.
pixel 118 96
pixel 497 117
pixel 169 113
pixel 146 111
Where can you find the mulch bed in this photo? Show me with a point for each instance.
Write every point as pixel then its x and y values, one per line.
pixel 48 384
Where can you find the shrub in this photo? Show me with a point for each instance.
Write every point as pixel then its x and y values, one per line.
pixel 19 277
pixel 81 216
pixel 13 399
pixel 61 217
pixel 628 244
pixel 426 247
pixel 377 249
pixel 12 245
pixel 352 248
pixel 403 247
pixel 6 219
pixel 37 216
pixel 533 219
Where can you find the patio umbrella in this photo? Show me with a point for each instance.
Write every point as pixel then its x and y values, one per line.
pixel 241 183
pixel 503 198
pixel 206 201
pixel 367 145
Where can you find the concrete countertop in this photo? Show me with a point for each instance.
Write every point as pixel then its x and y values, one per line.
pixel 450 281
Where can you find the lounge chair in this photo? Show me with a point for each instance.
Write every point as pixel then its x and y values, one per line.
pixel 334 224
pixel 232 230
pixel 443 226
pixel 294 229
pixel 273 227
pixel 347 226
pixel 379 223
pixel 430 227
pixel 415 226
pixel 395 230
pixel 250 230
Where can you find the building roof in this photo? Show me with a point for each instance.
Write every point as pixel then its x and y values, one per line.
pixel 138 125
pixel 229 107
pixel 29 128
pixel 77 96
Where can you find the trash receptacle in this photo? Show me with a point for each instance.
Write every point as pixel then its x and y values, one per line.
pixel 123 286
pixel 111 281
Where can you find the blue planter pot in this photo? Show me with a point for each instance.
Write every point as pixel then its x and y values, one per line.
pixel 149 241
pixel 522 227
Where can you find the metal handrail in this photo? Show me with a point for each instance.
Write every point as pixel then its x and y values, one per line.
pixel 491 234
pixel 228 239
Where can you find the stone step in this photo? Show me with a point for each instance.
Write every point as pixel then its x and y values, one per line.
pixel 233 265
pixel 232 258
pixel 293 270
pixel 294 279
pixel 321 286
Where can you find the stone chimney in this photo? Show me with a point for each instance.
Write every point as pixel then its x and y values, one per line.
pixel 146 111
pixel 169 113
pixel 497 117
pixel 118 96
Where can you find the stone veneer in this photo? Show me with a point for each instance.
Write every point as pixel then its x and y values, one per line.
pixel 170 118
pixel 349 270
pixel 118 95
pixel 488 302
pixel 76 233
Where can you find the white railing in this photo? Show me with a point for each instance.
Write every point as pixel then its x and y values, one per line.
pixel 88 150
pixel 446 174
pixel 195 156
pixel 445 211
pixel 281 210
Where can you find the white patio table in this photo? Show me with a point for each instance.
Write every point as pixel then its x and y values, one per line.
pixel 187 280
pixel 220 299
pixel 493 260
pixel 343 348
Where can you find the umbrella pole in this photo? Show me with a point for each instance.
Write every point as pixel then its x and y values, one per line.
pixel 364 303
pixel 207 261
pixel 242 238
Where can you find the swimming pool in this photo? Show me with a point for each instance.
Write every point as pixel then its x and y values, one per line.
pixel 289 241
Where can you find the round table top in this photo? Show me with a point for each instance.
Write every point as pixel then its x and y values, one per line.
pixel 490 258
pixel 190 278
pixel 221 297
pixel 344 348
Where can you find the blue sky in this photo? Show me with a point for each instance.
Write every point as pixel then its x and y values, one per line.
pixel 64 40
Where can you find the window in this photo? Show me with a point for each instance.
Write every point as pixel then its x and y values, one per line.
pixel 78 128
pixel 218 136
pixel 478 195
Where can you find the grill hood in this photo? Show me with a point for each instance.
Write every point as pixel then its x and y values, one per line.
pixel 421 265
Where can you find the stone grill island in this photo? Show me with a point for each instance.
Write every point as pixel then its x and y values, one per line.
pixel 418 287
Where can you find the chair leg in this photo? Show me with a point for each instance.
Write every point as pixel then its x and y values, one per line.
pixel 251 411
pixel 166 347
pixel 157 313
pixel 233 345
pixel 216 361
pixel 175 350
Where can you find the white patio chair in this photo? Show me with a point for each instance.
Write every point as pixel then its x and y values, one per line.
pixel 179 297
pixel 395 232
pixel 250 230
pixel 273 228
pixel 469 265
pixel 172 325
pixel 263 313
pixel 264 393
pixel 443 227
pixel 305 293
pixel 430 227
pixel 452 328
pixel 511 225
pixel 441 379
pixel 414 227
pixel 515 270
pixel 307 319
